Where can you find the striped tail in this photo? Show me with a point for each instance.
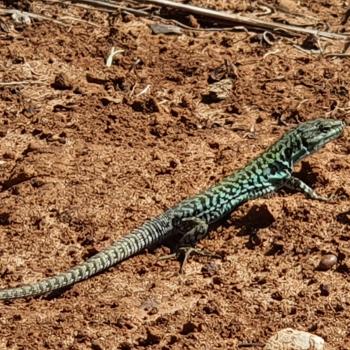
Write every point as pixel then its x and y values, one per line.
pixel 149 234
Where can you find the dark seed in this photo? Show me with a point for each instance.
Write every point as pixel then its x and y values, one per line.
pixel 327 262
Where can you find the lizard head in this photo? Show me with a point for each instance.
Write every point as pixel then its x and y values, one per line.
pixel 314 134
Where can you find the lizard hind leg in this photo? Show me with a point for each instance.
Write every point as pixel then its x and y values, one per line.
pixel 193 229
pixel 184 252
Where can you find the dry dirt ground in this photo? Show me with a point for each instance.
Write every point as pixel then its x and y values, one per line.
pixel 89 152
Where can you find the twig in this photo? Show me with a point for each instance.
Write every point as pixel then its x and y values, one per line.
pixel 250 344
pixel 79 20
pixel 285 10
pixel 267 11
pixel 242 20
pixel 337 54
pixel 22 82
pixel 112 54
pixel 271 53
pixel 109 6
pixel 311 51
pixel 144 91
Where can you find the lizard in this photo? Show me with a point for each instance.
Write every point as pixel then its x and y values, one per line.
pixel 189 220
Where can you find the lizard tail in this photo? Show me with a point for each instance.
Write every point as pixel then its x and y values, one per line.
pixel 149 234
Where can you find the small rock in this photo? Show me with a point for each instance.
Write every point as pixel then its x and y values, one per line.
pixel 21 17
pixel 159 28
pixel 210 270
pixel 327 262
pixel 188 328
pixel 324 290
pixel 218 91
pixel 291 339
pixel 62 82
pixel 9 155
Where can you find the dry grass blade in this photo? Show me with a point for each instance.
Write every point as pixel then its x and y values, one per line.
pixel 246 21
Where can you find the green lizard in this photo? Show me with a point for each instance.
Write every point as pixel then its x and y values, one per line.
pixel 190 219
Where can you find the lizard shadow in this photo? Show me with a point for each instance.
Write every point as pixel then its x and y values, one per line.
pixel 306 174
pixel 344 218
pixel 55 294
pixel 257 218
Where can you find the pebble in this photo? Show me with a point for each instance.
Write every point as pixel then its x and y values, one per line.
pixel 291 339
pixel 327 262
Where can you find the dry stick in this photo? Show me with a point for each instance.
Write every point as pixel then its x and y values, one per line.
pixel 22 82
pixel 340 54
pixel 80 20
pixel 242 20
pixel 109 5
pixel 280 8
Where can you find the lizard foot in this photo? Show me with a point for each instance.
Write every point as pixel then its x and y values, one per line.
pixel 183 253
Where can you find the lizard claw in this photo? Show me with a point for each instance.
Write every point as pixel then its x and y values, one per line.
pixel 183 253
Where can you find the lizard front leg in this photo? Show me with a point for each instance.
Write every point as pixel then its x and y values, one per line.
pixel 192 230
pixel 296 184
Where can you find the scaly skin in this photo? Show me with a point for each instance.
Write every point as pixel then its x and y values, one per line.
pixel 190 219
